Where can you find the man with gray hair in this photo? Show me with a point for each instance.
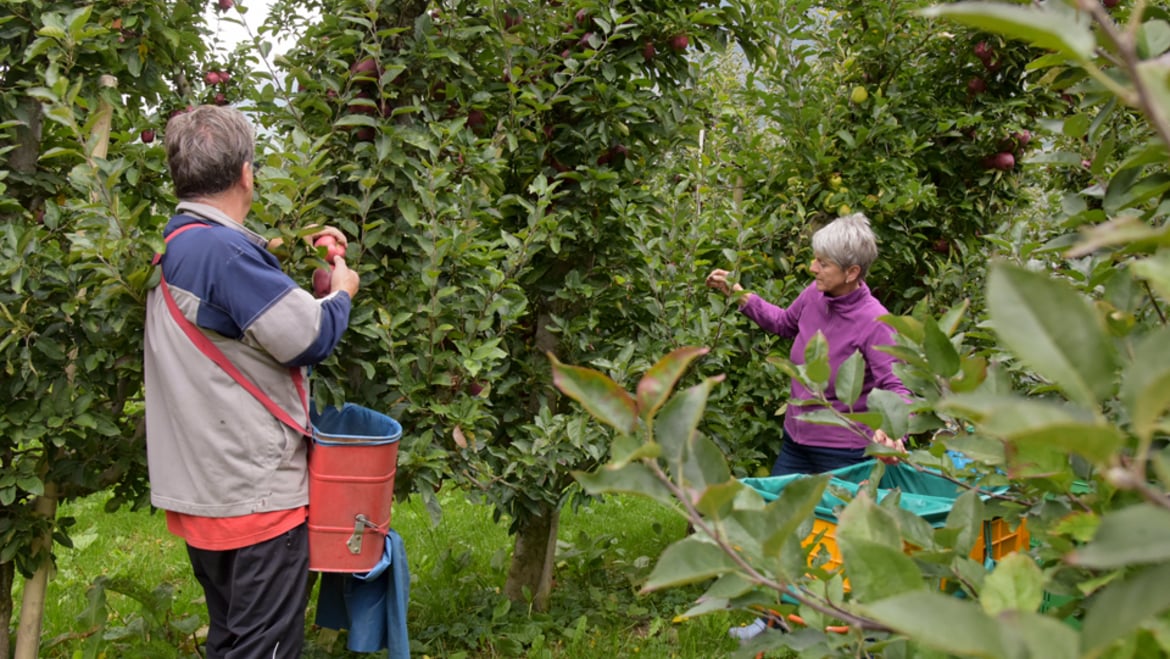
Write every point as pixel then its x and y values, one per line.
pixel 839 305
pixel 228 338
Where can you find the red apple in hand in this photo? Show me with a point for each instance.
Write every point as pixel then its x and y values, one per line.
pixel 322 282
pixel 333 249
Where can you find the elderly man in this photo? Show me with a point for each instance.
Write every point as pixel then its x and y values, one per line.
pixel 228 338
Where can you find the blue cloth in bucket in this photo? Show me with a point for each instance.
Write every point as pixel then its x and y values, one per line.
pixel 352 423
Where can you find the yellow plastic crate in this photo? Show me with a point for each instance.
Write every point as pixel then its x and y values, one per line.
pixel 1004 540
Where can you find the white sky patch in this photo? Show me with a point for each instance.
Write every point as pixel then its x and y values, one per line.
pixel 234 27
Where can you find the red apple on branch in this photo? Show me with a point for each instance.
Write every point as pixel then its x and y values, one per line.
pixel 649 51
pixel 984 51
pixel 1003 161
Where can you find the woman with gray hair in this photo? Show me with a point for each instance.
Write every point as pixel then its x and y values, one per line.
pixel 839 305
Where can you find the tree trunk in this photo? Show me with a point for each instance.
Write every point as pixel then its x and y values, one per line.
pixel 23 158
pixel 533 557
pixel 32 605
pixel 100 135
pixel 7 576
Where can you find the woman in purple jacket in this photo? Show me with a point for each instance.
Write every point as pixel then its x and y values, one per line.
pixel 839 305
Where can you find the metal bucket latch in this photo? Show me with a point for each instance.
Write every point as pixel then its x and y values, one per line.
pixel 354 544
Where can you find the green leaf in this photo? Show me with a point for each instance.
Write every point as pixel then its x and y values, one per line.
pixel 976 447
pixel 704 464
pixel 1156 271
pixel 1124 193
pixel 876 570
pixel 816 360
pixel 1043 424
pixel 1145 383
pixel 1054 330
pixel 599 395
pixel 1053 27
pixel 632 478
pixel 966 517
pixel 1037 635
pixel 949 321
pixel 972 373
pixel 1016 584
pixel 356 119
pixel 940 352
pixel 1122 606
pixel 895 411
pixel 1153 39
pixel 1132 536
pixel 940 621
pixel 408 210
pixel 862 519
pixel 850 378
pixel 654 387
pixel 678 420
pixel 907 327
pixel 828 417
pixel 798 500
pixel 716 500
pixel 690 560
pixel 1155 74
pixel 77 20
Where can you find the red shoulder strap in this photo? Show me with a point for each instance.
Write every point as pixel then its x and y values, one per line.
pixel 216 355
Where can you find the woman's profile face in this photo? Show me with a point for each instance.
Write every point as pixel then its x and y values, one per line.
pixel 830 278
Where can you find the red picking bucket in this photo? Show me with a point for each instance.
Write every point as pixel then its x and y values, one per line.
pixel 351 487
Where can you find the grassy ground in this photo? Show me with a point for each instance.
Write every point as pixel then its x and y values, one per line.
pixel 126 590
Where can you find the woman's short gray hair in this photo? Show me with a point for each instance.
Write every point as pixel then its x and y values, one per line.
pixel 207 148
pixel 847 241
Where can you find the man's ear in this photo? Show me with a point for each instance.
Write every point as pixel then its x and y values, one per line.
pixel 247 175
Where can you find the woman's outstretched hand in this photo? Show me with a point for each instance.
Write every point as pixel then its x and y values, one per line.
pixel 882 439
pixel 718 280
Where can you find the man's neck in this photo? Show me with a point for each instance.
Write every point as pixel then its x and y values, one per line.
pixel 226 203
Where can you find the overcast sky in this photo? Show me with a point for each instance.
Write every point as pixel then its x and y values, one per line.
pixel 227 27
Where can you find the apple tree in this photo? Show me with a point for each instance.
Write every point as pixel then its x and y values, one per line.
pixel 82 195
pixel 858 108
pixel 492 162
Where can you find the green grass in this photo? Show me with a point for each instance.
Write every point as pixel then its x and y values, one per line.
pixel 147 604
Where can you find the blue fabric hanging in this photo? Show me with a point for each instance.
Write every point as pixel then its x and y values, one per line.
pixel 372 606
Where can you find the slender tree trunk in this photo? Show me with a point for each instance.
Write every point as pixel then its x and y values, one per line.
pixel 533 558
pixel 23 158
pixel 7 576
pixel 100 136
pixel 32 605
